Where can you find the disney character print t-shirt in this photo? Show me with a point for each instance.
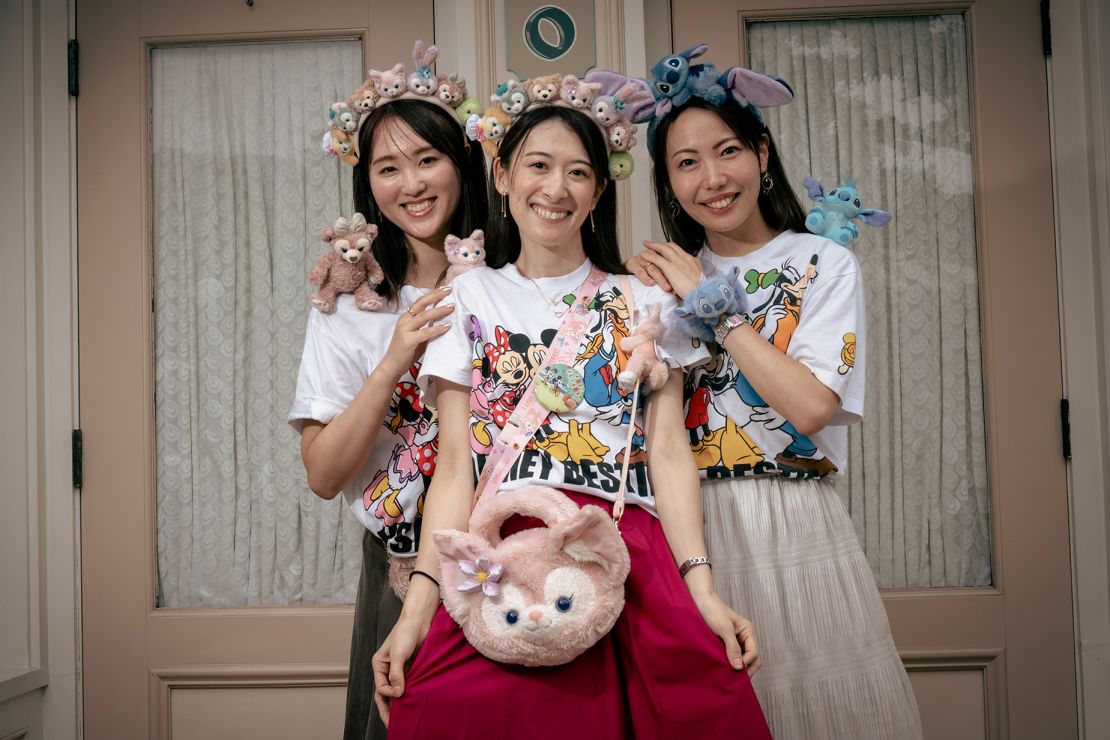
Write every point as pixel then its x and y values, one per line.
pixel 804 294
pixel 340 351
pixel 501 328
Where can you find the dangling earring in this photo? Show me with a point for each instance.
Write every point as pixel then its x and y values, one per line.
pixel 503 214
pixel 673 208
pixel 766 183
pixel 593 228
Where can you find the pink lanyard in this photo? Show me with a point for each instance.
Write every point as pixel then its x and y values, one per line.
pixel 529 414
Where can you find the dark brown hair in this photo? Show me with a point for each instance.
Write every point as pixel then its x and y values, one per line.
pixel 780 208
pixel 444 132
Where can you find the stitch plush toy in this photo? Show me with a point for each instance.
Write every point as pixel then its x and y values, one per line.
pixel 833 215
pixel 715 296
pixel 543 89
pixel 674 80
pixel 423 81
pixel 464 254
pixel 579 93
pixel 348 267
pixel 539 597
pixel 643 362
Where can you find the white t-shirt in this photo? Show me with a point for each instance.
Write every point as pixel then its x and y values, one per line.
pixel 804 294
pixel 340 351
pixel 499 334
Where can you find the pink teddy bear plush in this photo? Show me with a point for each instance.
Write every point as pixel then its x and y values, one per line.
pixel 348 267
pixel 579 93
pixel 643 361
pixel 539 597
pixel 464 254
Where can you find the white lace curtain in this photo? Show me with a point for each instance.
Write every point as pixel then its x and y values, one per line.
pixel 885 101
pixel 241 193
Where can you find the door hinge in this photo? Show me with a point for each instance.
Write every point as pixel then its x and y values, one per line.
pixel 78 459
pixel 1065 426
pixel 1046 28
pixel 74 57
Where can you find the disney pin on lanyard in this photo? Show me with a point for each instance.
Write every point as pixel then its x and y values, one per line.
pixel 563 387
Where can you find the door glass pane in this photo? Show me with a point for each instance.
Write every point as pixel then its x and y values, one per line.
pixel 885 102
pixel 241 192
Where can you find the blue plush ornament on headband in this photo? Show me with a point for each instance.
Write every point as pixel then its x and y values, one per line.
pixel 675 81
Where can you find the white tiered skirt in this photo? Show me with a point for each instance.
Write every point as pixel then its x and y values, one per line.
pixel 785 555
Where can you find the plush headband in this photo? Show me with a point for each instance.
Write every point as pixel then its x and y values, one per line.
pixel 345 118
pixel 609 108
pixel 674 81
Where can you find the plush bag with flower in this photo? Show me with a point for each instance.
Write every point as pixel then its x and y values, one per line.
pixel 541 597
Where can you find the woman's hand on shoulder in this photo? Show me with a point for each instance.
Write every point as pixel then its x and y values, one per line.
pixel 415 328
pixel 735 631
pixel 668 266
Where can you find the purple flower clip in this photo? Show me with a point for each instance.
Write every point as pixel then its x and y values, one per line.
pixel 481 574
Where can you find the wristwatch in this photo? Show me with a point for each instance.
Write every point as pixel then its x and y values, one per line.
pixel 726 325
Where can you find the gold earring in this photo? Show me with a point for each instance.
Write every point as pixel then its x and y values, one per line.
pixel 503 214
pixel 593 227
pixel 766 183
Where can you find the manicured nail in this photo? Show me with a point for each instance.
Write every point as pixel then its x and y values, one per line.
pixel 445 289
pixel 738 664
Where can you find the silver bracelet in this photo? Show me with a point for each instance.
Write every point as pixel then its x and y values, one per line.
pixel 689 563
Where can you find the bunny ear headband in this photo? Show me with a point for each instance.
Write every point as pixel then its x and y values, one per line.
pixel 382 87
pixel 612 108
pixel 675 80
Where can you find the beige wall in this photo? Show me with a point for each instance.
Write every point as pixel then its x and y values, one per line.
pixel 1079 77
pixel 38 607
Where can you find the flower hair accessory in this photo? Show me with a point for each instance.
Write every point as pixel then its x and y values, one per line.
pixel 611 110
pixel 675 80
pixel 382 87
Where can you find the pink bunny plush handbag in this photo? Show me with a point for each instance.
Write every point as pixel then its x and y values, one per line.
pixel 539 597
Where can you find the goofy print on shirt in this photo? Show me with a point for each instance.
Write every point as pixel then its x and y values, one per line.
pixel 733 431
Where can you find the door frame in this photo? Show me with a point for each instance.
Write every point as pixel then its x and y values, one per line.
pixel 1080 111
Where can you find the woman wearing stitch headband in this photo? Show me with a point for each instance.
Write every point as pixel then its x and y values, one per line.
pixel 556 314
pixel 766 417
pixel 364 430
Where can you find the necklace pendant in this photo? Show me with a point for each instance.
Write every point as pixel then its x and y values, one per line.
pixel 560 388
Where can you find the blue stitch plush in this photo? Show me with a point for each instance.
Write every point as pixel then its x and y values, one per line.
pixel 674 80
pixel 835 211
pixel 715 296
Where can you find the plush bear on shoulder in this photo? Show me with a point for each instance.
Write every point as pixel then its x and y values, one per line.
pixel 348 267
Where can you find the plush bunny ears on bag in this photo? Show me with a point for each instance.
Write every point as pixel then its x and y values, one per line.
pixel 674 81
pixel 345 118
pixel 609 108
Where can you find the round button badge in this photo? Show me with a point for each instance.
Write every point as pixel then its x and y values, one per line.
pixel 560 388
